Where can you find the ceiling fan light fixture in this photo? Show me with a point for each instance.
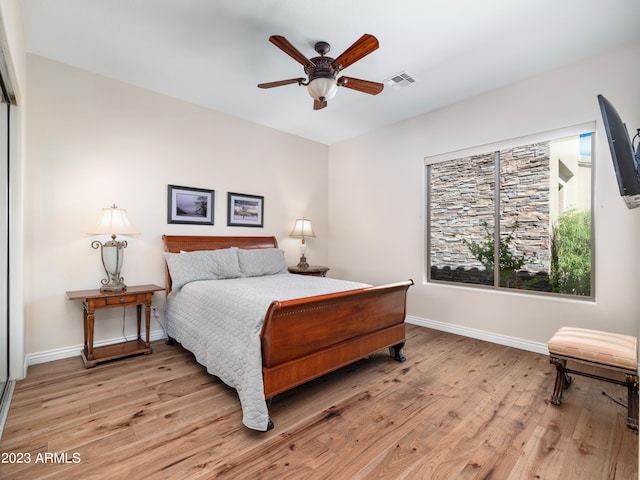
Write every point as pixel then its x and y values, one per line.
pixel 322 71
pixel 322 88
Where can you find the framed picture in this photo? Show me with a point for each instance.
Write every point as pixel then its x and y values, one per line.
pixel 245 210
pixel 190 205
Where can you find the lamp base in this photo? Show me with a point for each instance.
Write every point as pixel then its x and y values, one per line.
pixel 303 262
pixel 113 287
pixel 112 253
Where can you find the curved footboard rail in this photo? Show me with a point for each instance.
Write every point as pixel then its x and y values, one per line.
pixel 305 338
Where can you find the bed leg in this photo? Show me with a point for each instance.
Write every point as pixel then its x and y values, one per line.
pixel 397 353
pixel 170 341
pixel 270 425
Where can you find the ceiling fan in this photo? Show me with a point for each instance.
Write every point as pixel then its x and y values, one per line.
pixel 322 71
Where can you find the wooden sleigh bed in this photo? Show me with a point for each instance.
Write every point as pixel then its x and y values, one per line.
pixel 304 338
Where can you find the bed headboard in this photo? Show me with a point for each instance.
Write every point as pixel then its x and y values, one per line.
pixel 187 243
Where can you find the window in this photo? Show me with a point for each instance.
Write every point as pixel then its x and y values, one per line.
pixel 524 205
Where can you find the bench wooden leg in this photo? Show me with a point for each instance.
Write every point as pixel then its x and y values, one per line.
pixel 562 380
pixel 632 401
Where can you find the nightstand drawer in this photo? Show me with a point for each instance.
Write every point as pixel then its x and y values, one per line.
pixel 112 301
pixel 122 300
pixel 117 300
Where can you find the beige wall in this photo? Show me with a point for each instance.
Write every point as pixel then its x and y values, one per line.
pixel 376 202
pixel 93 141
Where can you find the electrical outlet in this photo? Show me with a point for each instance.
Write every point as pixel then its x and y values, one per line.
pixel 154 310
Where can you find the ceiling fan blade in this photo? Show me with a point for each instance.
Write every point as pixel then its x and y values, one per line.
pixel 318 105
pixel 361 48
pixel 364 86
pixel 286 46
pixel 281 83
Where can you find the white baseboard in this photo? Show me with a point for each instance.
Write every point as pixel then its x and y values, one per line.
pixel 514 342
pixel 73 351
pixel 66 352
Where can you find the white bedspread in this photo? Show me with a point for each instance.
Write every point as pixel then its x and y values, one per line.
pixel 220 321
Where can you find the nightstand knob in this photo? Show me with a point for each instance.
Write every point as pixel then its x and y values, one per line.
pixel 122 300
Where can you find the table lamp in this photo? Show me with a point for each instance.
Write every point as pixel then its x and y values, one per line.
pixel 302 229
pixel 113 221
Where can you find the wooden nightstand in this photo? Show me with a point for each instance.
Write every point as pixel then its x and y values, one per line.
pixel 315 270
pixel 95 299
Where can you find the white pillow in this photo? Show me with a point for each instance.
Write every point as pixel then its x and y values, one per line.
pixel 202 265
pixel 261 261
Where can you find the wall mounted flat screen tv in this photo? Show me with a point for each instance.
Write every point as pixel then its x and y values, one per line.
pixel 625 160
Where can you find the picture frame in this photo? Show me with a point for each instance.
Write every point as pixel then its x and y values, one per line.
pixel 188 205
pixel 245 210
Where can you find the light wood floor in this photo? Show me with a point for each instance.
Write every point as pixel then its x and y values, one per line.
pixel 458 408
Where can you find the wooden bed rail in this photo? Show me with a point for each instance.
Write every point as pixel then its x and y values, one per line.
pixel 308 337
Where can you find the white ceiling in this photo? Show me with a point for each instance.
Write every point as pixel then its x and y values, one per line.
pixel 214 52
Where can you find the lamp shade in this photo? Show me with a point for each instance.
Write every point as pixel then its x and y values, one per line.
pixel 322 88
pixel 302 228
pixel 113 221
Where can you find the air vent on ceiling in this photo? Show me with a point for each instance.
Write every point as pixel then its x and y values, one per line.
pixel 401 79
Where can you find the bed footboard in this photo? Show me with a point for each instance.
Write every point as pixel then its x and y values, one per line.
pixel 305 338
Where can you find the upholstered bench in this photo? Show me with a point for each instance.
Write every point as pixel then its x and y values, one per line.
pixel 608 351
